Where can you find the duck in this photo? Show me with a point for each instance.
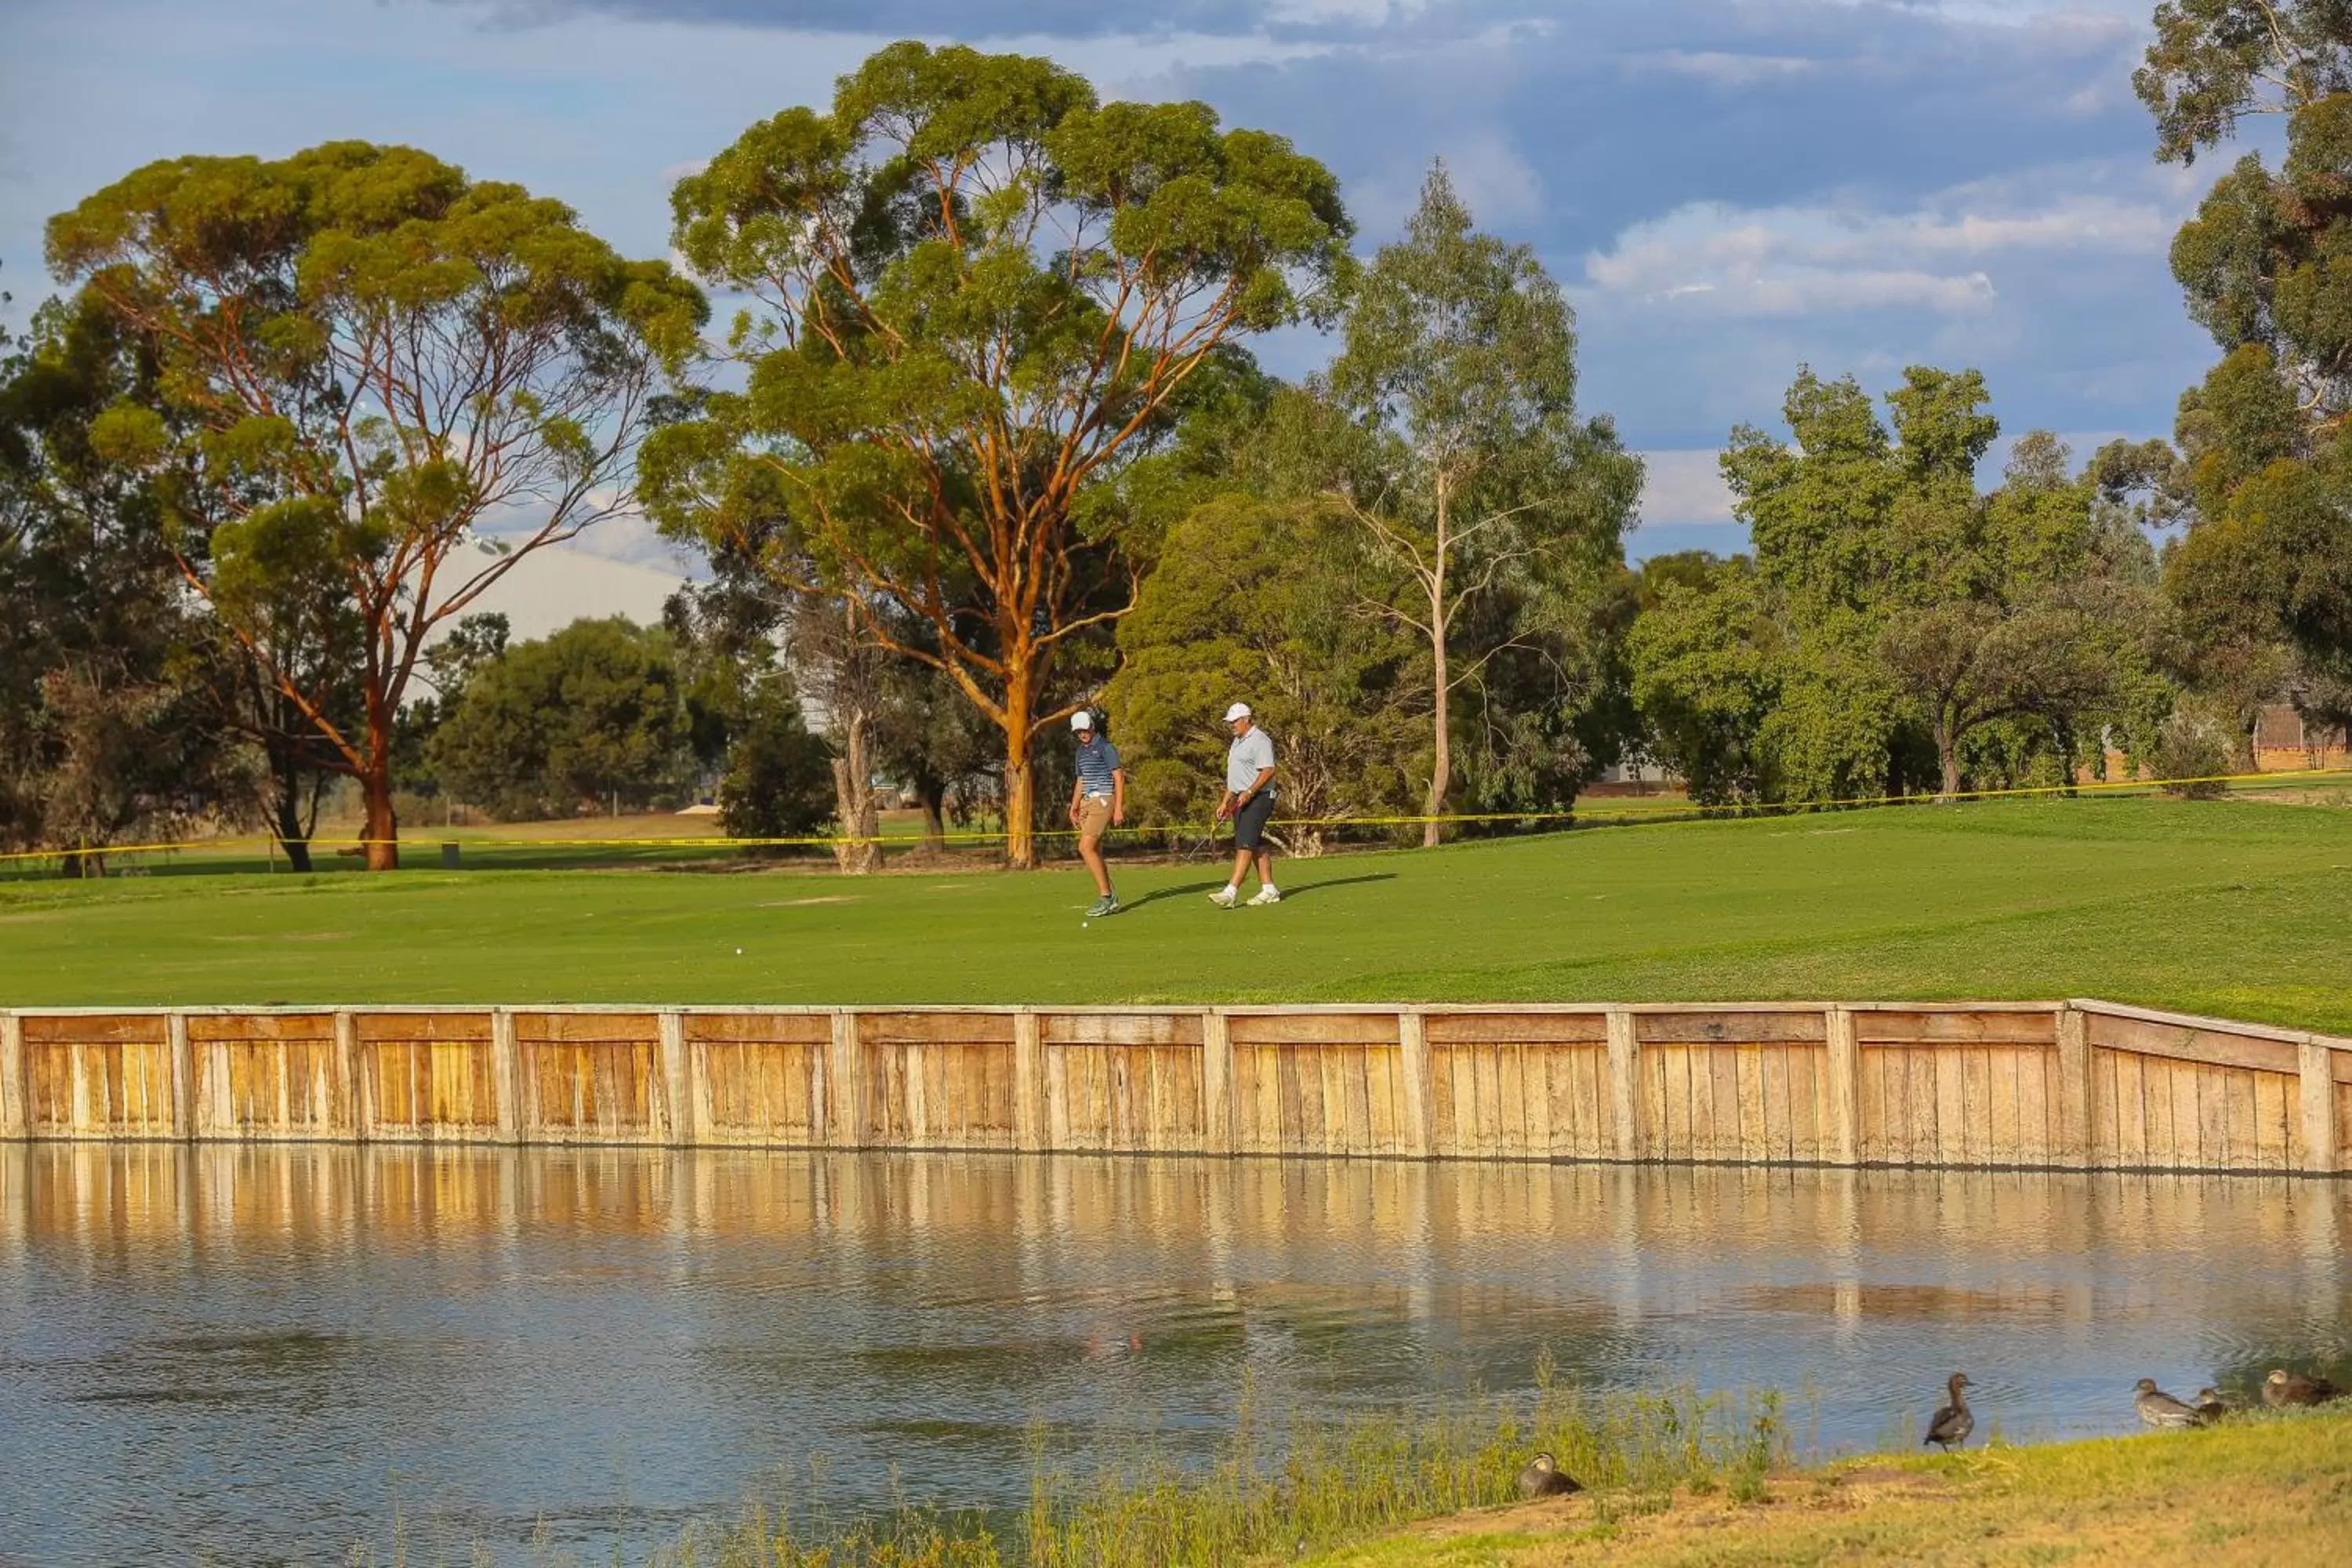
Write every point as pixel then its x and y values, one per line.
pixel 2158 1409
pixel 1544 1478
pixel 2211 1405
pixel 2283 1388
pixel 1954 1421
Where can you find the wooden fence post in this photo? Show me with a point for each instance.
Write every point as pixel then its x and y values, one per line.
pixel 1217 1083
pixel 1413 1043
pixel 676 1064
pixel 2073 1085
pixel 13 1120
pixel 2316 1062
pixel 1846 1094
pixel 359 1082
pixel 506 1075
pixel 1624 1086
pixel 184 1075
pixel 848 1092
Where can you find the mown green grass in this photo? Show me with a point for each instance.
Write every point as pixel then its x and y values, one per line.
pixel 2224 907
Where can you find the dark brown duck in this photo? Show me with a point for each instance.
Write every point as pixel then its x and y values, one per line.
pixel 2283 1388
pixel 1954 1421
pixel 1544 1478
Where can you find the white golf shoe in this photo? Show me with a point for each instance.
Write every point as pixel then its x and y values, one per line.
pixel 1266 896
pixel 1223 897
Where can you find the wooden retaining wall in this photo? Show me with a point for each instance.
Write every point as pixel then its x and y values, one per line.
pixel 2080 1085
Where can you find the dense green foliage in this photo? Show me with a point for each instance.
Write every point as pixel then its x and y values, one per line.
pixel 983 291
pixel 590 715
pixel 1896 629
pixel 986 447
pixel 361 359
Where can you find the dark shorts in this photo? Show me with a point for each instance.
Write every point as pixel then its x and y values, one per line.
pixel 1249 822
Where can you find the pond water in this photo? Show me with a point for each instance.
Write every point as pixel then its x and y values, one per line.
pixel 269 1355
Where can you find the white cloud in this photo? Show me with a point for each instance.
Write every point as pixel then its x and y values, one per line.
pixel 1821 260
pixel 1684 488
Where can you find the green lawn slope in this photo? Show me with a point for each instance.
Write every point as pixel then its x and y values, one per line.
pixel 2226 907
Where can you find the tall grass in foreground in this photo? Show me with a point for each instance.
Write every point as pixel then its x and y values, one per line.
pixel 1276 1491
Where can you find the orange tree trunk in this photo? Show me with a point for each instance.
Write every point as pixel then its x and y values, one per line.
pixel 382 830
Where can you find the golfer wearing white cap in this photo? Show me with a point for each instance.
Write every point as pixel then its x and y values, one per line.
pixel 1249 801
pixel 1098 801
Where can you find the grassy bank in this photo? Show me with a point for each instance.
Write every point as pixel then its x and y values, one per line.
pixel 2264 1491
pixel 1675 1482
pixel 2225 907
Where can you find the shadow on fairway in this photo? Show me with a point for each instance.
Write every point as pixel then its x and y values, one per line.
pixel 1313 890
pixel 1157 894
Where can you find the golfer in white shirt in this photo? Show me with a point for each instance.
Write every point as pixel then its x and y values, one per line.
pixel 1249 801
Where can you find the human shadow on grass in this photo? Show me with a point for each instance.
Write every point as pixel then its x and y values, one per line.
pixel 1304 890
pixel 1310 890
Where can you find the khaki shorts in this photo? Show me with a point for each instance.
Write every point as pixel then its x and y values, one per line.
pixel 1094 820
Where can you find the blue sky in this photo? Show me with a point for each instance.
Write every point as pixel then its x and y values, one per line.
pixel 1726 188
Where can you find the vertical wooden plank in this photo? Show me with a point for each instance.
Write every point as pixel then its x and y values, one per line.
pixel 1675 1134
pixel 1413 1062
pixel 1536 1069
pixel 1216 1083
pixel 2317 1085
pixel 1755 1142
pixel 1243 1119
pixel 1698 1072
pixel 1058 1097
pixel 1779 1115
pixel 2074 1109
pixel 2131 1111
pixel 1976 1098
pixel 2188 1125
pixel 2270 1138
pixel 673 1064
pixel 359 1083
pixel 1856 1101
pixel 1028 1083
pixel 1652 1066
pixel 1486 1058
pixel 1951 1105
pixel 14 1121
pixel 1332 1096
pixel 505 1076
pixel 2155 1088
pixel 1358 1064
pixel 2213 1117
pixel 2032 1108
pixel 1624 1064
pixel 1803 1066
pixel 2240 1095
pixel 921 1061
pixel 1723 1065
pixel 845 1069
pixel 184 1075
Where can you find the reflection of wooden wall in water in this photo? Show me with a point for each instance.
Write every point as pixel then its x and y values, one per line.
pixel 2078 1085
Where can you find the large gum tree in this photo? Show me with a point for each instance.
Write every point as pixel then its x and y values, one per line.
pixel 979 294
pixel 381 383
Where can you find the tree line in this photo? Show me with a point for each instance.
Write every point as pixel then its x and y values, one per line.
pixel 982 442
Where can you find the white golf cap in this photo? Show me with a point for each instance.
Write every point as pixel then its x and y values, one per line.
pixel 1238 710
pixel 1082 719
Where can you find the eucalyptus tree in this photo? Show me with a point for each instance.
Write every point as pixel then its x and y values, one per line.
pixel 978 295
pixel 381 383
pixel 1456 449
pixel 2267 558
